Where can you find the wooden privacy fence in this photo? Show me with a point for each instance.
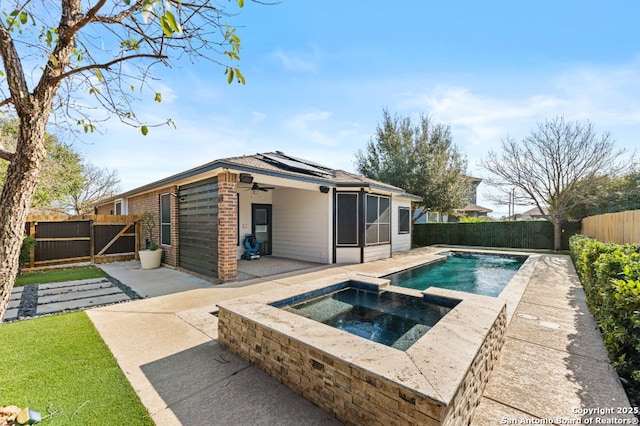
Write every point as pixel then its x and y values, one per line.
pixel 87 238
pixel 618 228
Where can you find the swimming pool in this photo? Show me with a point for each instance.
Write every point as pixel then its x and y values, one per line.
pixel 479 273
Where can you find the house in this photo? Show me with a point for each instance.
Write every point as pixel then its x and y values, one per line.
pixel 471 209
pixel 297 209
pixel 531 214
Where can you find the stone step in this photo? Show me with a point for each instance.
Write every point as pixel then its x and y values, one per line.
pixel 16 293
pixel 48 286
pixel 11 314
pixel 78 295
pixel 75 289
pixel 50 308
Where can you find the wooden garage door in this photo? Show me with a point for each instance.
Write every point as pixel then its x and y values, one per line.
pixel 198 229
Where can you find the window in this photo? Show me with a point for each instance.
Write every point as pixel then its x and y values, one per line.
pixel 404 221
pixel 165 219
pixel 378 219
pixel 118 207
pixel 347 219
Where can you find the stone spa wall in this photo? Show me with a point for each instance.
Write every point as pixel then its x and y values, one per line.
pixel 438 381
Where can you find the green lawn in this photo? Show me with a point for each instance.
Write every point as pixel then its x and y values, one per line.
pixel 59 275
pixel 60 366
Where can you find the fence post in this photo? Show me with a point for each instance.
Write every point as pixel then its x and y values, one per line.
pixel 92 243
pixel 32 253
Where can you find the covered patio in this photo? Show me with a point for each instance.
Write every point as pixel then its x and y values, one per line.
pixel 271 265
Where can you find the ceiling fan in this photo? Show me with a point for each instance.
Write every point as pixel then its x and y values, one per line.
pixel 256 187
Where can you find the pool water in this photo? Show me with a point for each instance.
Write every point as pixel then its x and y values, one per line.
pixel 393 319
pixel 478 273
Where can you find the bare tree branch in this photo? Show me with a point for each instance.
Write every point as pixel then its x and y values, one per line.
pixel 108 65
pixel 6 155
pixel 553 164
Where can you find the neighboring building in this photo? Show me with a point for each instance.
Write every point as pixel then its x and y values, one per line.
pixel 297 209
pixel 531 214
pixel 471 209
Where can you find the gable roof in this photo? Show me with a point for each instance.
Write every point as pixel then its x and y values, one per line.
pixel 470 207
pixel 274 164
pixel 535 211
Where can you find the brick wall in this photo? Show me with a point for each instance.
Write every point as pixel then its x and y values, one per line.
pixel 227 226
pixel 150 202
pixel 105 209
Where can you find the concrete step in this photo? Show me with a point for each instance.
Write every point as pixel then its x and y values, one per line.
pixel 78 295
pixel 54 307
pixel 75 289
pixel 63 284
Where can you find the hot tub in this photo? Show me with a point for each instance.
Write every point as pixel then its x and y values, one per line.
pixel 438 379
pixel 394 319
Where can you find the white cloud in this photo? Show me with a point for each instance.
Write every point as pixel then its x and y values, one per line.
pixel 298 62
pixel 306 128
pixel 257 117
pixel 319 128
pixel 610 98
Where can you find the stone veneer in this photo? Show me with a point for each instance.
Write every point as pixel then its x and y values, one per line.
pixel 437 381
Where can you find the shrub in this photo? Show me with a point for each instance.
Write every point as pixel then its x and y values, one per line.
pixel 28 244
pixel 610 275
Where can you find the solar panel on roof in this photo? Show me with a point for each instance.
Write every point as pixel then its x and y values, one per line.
pixel 307 162
pixel 297 165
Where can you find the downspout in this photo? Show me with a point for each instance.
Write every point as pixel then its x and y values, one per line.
pixel 335 226
pixel 361 222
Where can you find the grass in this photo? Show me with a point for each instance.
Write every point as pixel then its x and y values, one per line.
pixel 60 275
pixel 60 366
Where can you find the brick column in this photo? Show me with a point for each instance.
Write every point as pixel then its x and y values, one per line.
pixel 227 226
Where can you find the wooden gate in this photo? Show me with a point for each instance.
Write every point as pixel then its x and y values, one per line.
pixel 87 238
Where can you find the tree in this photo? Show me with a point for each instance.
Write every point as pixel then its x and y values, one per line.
pixel 61 169
pixel 554 165
pixel 97 48
pixel 421 159
pixel 96 183
pixel 608 195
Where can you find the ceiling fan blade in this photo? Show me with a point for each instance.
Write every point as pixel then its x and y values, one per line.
pixel 256 187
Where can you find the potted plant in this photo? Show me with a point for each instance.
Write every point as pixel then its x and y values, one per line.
pixel 151 257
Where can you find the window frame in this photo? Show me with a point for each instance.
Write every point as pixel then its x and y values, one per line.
pixel 356 212
pixel 401 219
pixel 377 224
pixel 165 227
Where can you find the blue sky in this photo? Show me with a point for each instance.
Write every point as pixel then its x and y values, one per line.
pixel 320 72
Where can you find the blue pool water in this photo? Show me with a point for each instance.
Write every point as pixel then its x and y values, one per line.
pixel 392 319
pixel 478 273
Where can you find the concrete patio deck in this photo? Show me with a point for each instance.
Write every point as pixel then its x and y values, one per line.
pixel 552 365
